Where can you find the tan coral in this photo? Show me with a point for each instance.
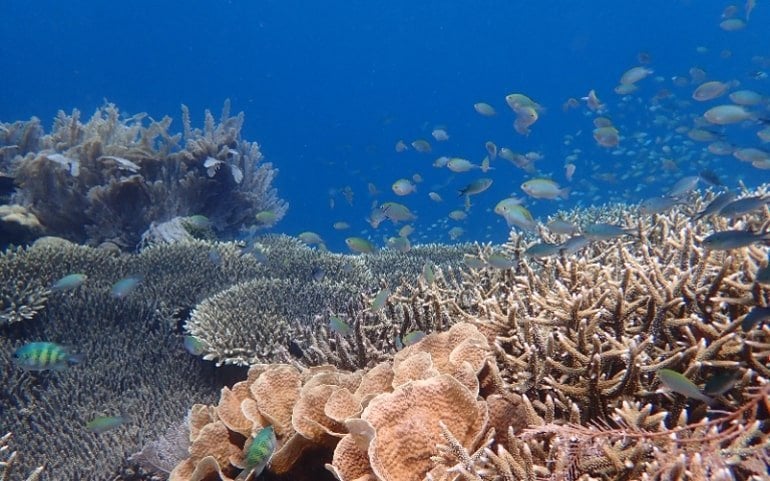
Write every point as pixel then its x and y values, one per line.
pixel 276 391
pixel 229 408
pixel 407 428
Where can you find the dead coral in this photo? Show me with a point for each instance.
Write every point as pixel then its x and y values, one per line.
pixel 109 178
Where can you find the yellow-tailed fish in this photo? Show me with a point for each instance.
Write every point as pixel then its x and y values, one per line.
pixel 310 238
pixel 397 212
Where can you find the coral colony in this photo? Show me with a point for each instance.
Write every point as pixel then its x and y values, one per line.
pixel 618 344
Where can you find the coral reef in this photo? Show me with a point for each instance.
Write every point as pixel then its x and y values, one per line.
pixel 10 457
pixel 110 178
pixel 562 368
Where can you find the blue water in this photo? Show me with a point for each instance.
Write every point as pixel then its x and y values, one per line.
pixel 329 87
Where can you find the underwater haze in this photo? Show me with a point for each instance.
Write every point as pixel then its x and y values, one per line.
pixel 333 90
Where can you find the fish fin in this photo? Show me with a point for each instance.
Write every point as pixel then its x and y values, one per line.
pixel 564 193
pixel 76 358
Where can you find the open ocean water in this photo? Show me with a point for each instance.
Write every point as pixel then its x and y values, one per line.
pixel 329 88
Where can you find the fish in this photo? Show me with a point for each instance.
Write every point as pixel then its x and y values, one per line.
pixel 684 186
pixel 193 345
pixel 266 217
pixel 403 187
pixel 709 90
pixel 455 232
pixel 727 114
pixel 399 244
pixel 45 356
pixel 542 249
pixel 435 197
pixel 458 215
pixel 341 225
pixel 559 226
pixel 440 135
pixel 604 231
pixel 422 146
pixel 573 244
pixel 733 239
pixel 336 324
pixel 360 245
pixel 515 214
pixel 124 287
pixel 413 337
pixel 428 272
pixel 483 108
pixel 541 188
pixel 743 206
pixel 458 165
pixel 258 453
pixel 657 205
pixel 678 383
pixel 318 273
pixel 379 300
pixel 102 424
pixel 397 212
pixel 721 382
pixel 634 74
pixel 607 136
pixel 715 205
pixel 499 261
pixel 474 262
pixel 310 238
pixel 69 282
pixel 476 187
pixel 756 315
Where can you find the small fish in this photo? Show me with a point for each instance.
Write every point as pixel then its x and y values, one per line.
pixel 403 187
pixel 743 206
pixel 440 135
pixel 543 249
pixel 574 244
pixel 428 272
pixel 198 221
pixel 397 212
pixel 435 197
pixel 721 382
pixel 727 114
pixel 558 226
pixel 657 205
pixel 458 215
pixel 102 424
pixel 339 326
pixel 677 383
pixel 413 337
pixel 69 282
pixel 379 300
pixel 44 356
pixel 733 239
pixel 476 187
pixel 756 315
pixel 360 245
pixel 258 453
pixel 605 231
pixel 422 146
pixel 310 238
pixel 455 232
pixel 458 165
pixel 542 188
pixel 474 262
pixel 684 186
pixel 318 274
pixel 399 244
pixel 715 205
pixel 484 109
pixel 122 288
pixel 266 217
pixel 499 261
pixel 193 345
pixel 340 225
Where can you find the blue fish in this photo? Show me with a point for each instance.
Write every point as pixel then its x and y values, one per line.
pixel 44 356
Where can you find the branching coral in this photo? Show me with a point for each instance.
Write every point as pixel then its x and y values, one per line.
pixel 109 178
pixel 9 460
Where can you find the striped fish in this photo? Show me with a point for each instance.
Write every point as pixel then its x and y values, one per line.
pixel 44 356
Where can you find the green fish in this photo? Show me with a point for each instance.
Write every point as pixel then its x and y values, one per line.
pixel 258 453
pixel 44 356
pixel 193 345
pixel 360 245
pixel 124 287
pixel 379 300
pixel 413 337
pixel 397 212
pixel 338 325
pixel 428 273
pixel 266 217
pixel 68 282
pixel 676 382
pixel 102 424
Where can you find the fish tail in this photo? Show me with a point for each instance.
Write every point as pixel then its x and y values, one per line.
pixel 564 193
pixel 76 358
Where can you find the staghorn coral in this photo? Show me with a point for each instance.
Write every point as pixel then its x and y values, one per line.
pixel 10 457
pixel 109 179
